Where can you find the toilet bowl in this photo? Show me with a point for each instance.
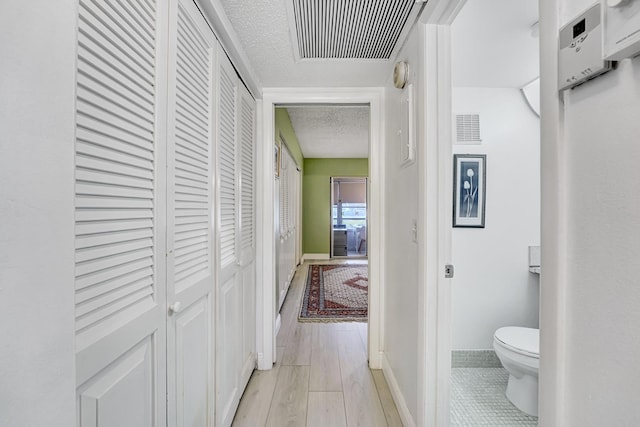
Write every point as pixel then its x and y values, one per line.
pixel 518 349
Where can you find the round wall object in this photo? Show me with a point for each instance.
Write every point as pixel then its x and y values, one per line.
pixel 400 74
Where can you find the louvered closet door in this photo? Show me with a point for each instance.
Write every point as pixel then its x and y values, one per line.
pixel 190 271
pixel 246 134
pixel 120 279
pixel 235 322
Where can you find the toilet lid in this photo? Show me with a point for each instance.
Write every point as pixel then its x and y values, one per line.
pixel 521 339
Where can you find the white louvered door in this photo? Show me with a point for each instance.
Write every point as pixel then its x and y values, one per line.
pixel 286 246
pixel 120 277
pixel 165 219
pixel 190 262
pixel 247 141
pixel 235 337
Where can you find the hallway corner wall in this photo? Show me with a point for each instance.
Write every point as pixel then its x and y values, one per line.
pixel 284 127
pixel 591 240
pixel 37 374
pixel 401 261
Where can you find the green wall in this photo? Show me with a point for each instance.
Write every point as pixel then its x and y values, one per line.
pixel 283 126
pixel 316 198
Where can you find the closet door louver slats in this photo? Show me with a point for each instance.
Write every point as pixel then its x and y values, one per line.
pixel 115 170
pixel 226 165
pixel 192 156
pixel 247 207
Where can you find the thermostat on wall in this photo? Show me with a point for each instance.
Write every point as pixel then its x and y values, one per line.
pixel 580 49
pixel 622 29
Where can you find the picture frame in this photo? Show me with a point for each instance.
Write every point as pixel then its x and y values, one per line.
pixel 469 190
pixel 277 147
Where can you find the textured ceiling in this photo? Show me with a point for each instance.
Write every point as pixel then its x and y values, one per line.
pixel 492 44
pixel 263 29
pixel 332 132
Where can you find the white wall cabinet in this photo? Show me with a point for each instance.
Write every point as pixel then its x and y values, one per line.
pixel 165 217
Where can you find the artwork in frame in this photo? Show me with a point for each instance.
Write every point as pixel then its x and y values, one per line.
pixel 276 159
pixel 469 192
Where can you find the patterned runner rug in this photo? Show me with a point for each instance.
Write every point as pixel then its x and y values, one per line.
pixel 335 293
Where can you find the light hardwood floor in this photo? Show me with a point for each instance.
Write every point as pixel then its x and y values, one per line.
pixel 321 377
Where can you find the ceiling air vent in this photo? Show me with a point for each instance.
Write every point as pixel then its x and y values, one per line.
pixel 351 29
pixel 468 129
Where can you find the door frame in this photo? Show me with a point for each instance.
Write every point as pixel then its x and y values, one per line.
pixel 265 303
pixel 434 217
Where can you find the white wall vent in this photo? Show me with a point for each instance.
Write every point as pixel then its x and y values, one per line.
pixel 468 129
pixel 351 29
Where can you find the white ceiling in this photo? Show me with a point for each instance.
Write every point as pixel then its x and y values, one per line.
pixel 492 44
pixel 492 47
pixel 263 29
pixel 332 131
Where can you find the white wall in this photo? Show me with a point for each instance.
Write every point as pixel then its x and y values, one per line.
pixel 596 253
pixel 401 263
pixel 493 286
pixel 37 57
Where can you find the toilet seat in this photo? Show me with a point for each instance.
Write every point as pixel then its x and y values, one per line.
pixel 524 341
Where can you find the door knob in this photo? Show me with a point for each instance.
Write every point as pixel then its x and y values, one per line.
pixel 175 307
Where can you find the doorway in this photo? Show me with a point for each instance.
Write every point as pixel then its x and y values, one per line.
pixel 493 287
pixel 348 217
pixel 266 305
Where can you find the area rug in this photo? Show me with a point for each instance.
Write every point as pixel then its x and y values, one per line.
pixel 335 293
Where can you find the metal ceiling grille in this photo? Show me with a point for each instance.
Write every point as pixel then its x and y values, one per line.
pixel 349 29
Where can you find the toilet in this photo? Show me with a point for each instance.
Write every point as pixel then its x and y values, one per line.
pixel 518 349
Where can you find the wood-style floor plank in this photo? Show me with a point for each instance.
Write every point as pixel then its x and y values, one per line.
pixel 326 409
pixel 336 389
pixel 298 349
pixel 256 401
pixel 362 404
pixel 325 364
pixel 388 405
pixel 289 404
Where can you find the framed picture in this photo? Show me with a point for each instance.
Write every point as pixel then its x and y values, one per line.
pixel 276 158
pixel 469 192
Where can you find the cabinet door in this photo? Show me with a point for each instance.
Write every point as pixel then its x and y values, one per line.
pixel 120 281
pixel 190 174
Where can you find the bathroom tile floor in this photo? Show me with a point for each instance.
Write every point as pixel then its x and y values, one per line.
pixel 478 399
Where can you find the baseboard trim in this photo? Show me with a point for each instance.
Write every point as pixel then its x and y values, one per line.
pixel 376 360
pixel 308 257
pixel 401 404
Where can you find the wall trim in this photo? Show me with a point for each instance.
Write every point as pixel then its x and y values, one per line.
pixel 401 404
pixel 272 97
pixel 313 257
pixel 553 228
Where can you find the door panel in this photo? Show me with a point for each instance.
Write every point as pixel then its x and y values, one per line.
pixel 229 356
pixel 121 395
pixel 190 174
pixel 119 283
pixel 192 362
